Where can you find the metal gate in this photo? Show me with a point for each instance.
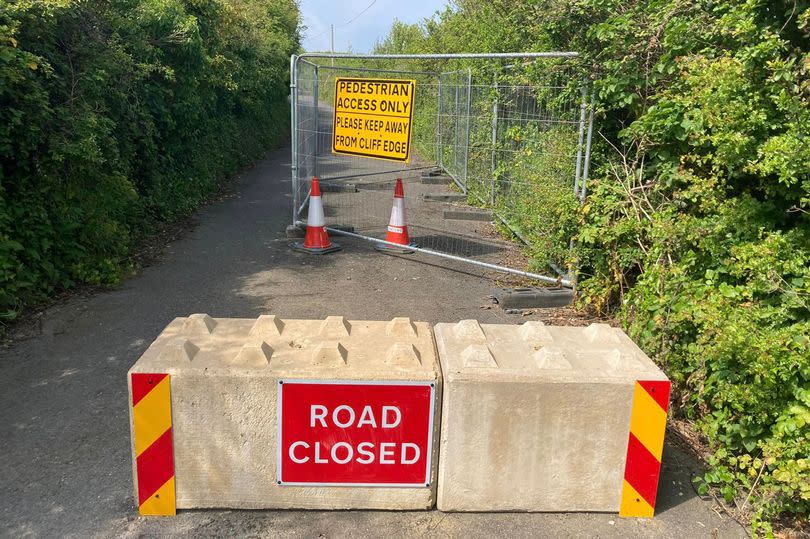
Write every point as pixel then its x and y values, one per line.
pixel 491 143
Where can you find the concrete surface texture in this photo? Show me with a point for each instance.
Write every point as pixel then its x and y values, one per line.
pixel 64 432
pixel 535 417
pixel 225 375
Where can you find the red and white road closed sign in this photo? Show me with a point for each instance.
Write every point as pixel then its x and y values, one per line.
pixel 351 433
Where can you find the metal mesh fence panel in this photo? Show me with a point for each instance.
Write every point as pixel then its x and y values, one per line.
pixel 496 151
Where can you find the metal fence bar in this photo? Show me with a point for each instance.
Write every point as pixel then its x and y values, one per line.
pixel 578 172
pixel 583 191
pixel 378 70
pixel 494 157
pixel 315 105
pixel 467 129
pixel 442 56
pixel 537 276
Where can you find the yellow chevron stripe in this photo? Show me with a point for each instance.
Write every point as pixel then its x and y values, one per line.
pixel 648 422
pixel 152 416
pixel 162 502
pixel 633 505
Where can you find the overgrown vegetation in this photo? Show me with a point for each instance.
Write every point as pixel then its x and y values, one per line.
pixel 118 114
pixel 696 232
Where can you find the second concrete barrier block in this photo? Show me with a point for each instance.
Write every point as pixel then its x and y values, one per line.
pixel 538 418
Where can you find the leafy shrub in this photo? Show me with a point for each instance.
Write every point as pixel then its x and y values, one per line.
pixel 696 231
pixel 118 114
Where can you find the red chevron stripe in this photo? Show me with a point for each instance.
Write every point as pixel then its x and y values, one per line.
pixel 658 390
pixel 155 466
pixel 143 383
pixel 641 470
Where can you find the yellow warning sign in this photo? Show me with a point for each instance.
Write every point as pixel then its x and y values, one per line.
pixel 373 117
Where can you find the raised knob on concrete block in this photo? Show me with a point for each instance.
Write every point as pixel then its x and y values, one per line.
pixel 535 332
pixel 478 356
pixel 551 357
pixel 330 354
pixel 469 330
pixel 619 360
pixel 400 327
pixel 267 324
pixel 180 351
pixel 256 353
pixel 335 326
pixel 200 323
pixel 403 354
pixel 601 333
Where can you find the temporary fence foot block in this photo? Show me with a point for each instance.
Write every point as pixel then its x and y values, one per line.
pixel 403 250
pixel 467 215
pixel 295 232
pixel 444 197
pixel 299 246
pixel 533 297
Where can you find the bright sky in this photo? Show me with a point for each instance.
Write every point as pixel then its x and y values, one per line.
pixel 368 27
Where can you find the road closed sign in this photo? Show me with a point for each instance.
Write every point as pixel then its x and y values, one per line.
pixel 373 117
pixel 351 433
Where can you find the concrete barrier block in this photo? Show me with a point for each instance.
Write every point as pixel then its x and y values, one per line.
pixel 238 419
pixel 538 418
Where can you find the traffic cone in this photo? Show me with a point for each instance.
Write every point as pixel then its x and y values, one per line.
pixel 316 240
pixel 397 229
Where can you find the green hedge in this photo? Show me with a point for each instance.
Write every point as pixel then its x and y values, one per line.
pixel 696 232
pixel 119 114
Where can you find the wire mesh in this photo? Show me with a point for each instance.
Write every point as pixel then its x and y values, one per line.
pixel 497 150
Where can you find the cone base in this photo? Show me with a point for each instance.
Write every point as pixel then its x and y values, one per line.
pixel 299 246
pixel 400 249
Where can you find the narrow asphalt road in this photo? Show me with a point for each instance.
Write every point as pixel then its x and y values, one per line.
pixel 64 436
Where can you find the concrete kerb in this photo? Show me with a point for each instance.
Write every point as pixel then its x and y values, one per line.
pixel 532 417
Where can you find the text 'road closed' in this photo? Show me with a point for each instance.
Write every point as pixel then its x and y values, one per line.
pixel 373 117
pixel 355 433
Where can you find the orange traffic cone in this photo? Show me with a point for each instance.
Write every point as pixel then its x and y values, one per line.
pixel 316 240
pixel 397 229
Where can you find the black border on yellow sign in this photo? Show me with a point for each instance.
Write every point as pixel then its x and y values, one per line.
pixel 410 119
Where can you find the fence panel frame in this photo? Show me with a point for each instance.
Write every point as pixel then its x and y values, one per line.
pixel 583 145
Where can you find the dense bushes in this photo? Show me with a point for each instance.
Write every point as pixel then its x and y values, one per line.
pixel 696 233
pixel 116 114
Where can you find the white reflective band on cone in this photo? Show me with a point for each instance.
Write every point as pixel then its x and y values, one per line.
pixel 398 213
pixel 315 215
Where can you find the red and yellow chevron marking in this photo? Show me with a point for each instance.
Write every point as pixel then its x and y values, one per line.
pixel 154 454
pixel 648 423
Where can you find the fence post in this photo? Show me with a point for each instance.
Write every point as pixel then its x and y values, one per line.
pixel 467 129
pixel 317 112
pixel 578 171
pixel 455 144
pixel 294 134
pixel 439 152
pixel 583 190
pixel 494 135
